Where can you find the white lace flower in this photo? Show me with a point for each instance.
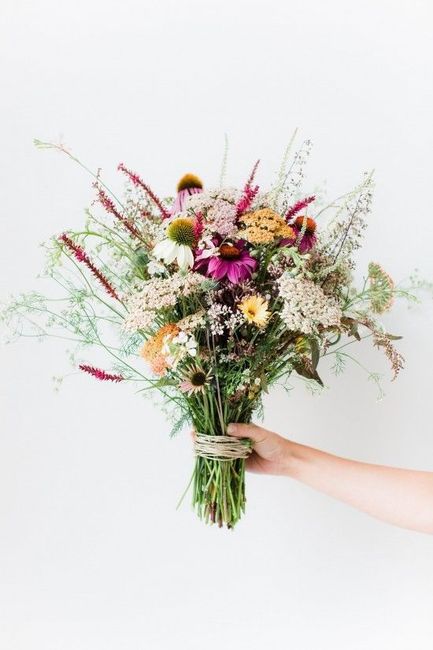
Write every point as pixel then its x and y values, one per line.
pixel 305 305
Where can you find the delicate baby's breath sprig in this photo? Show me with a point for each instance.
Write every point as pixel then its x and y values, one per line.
pixel 295 175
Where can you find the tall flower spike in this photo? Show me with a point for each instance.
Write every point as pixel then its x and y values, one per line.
pixel 81 255
pixel 246 200
pixel 249 193
pixel 198 226
pixel 253 174
pixel 297 207
pixel 135 178
pixel 108 204
pixel 100 374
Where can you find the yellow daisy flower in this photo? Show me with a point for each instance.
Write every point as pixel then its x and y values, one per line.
pixel 255 310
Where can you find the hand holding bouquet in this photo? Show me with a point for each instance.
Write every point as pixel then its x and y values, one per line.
pixel 210 299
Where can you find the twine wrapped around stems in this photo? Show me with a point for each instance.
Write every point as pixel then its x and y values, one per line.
pixel 221 447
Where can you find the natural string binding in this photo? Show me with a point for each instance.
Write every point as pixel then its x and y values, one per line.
pixel 221 447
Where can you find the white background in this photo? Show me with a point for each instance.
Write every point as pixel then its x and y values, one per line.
pixel 93 554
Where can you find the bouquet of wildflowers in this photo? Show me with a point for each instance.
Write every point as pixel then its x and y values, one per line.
pixel 210 298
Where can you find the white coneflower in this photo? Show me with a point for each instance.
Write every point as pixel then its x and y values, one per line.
pixel 178 244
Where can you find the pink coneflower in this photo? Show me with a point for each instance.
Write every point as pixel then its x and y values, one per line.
pixel 135 178
pixel 100 374
pixel 194 381
pixel 297 207
pixel 189 184
pixel 305 227
pixel 230 260
pixel 81 255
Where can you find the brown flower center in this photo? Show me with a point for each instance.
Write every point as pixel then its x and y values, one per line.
pixel 308 223
pixel 198 378
pixel 229 252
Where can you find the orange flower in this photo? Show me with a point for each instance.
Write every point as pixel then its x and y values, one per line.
pixel 152 349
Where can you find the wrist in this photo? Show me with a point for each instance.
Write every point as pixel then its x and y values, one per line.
pixel 292 459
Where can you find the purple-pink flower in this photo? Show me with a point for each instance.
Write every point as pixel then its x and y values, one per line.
pixel 182 198
pixel 230 260
pixel 306 229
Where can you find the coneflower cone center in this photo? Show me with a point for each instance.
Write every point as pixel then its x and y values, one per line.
pixel 182 232
pixel 306 222
pixel 189 181
pixel 229 252
pixel 198 378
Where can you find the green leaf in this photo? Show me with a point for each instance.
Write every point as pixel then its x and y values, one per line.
pixel 315 352
pixel 308 373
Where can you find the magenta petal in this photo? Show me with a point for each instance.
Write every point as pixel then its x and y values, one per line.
pixel 245 273
pixel 182 197
pixel 306 244
pixel 212 264
pixel 250 262
pixel 233 273
pixel 218 269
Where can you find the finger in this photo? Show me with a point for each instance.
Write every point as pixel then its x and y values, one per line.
pixel 252 431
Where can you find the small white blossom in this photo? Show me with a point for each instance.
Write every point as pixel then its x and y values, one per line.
pixel 158 293
pixel 156 268
pixel 306 306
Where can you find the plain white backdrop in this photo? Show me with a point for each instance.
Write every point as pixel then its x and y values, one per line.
pixel 93 554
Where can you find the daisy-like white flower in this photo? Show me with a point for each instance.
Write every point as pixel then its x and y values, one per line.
pixel 179 347
pixel 155 268
pixel 194 381
pixel 188 343
pixel 255 310
pixel 178 244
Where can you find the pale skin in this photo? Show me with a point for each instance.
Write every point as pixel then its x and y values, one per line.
pixel 401 497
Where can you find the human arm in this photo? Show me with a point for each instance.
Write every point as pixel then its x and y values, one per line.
pixel 402 497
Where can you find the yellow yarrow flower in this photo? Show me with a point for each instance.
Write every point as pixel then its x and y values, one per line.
pixel 265 226
pixel 255 310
